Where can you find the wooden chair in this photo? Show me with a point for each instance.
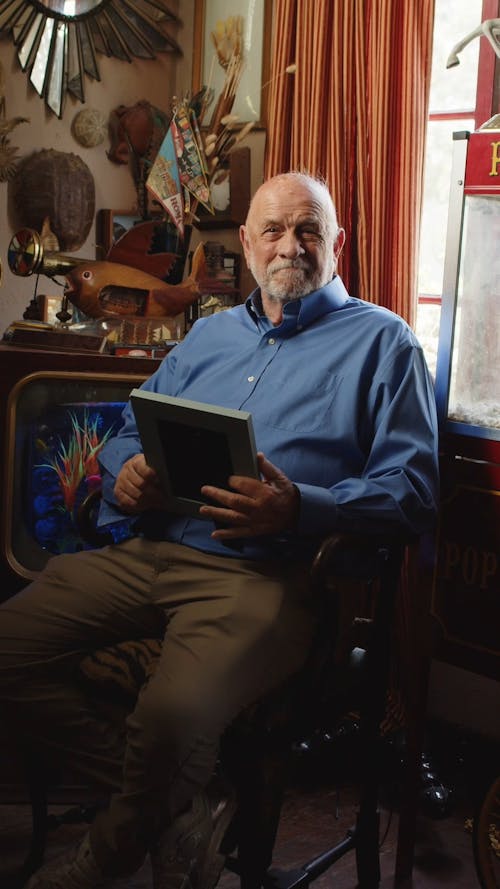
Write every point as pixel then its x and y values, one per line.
pixel 348 657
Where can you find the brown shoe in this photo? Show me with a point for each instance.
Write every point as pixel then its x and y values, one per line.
pixel 187 855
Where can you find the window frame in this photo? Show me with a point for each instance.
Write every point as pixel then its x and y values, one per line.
pixel 487 101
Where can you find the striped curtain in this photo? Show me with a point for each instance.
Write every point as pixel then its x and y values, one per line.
pixel 354 111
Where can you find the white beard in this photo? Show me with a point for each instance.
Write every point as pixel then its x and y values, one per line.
pixel 288 280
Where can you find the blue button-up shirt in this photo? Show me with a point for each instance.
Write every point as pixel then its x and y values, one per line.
pixel 341 402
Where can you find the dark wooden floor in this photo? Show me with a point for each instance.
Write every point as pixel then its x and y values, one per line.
pixel 313 819
pixel 319 809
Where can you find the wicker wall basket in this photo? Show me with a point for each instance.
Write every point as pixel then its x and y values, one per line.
pixel 59 186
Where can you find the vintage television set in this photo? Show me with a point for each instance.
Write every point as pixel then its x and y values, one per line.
pixel 57 409
pixel 466 583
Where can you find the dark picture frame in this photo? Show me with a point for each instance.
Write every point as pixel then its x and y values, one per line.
pixel 239 195
pixel 190 444
pixel 111 225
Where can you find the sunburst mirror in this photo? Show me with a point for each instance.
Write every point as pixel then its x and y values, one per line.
pixel 58 40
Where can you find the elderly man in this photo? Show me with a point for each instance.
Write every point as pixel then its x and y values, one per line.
pixel 344 419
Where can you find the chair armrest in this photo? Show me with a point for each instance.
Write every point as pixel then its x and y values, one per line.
pixel 357 556
pixel 356 578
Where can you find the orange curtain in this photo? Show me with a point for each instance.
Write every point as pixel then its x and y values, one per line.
pixel 355 113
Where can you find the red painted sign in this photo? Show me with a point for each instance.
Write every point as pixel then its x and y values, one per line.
pixel 482 172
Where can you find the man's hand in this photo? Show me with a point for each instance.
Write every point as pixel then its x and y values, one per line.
pixel 257 507
pixel 137 488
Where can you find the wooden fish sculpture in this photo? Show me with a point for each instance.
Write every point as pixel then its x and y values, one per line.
pixel 138 247
pixel 102 289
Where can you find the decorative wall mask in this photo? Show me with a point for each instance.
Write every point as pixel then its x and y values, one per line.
pixel 57 46
pixel 136 133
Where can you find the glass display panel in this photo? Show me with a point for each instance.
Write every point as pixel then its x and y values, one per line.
pixel 475 379
pixel 57 427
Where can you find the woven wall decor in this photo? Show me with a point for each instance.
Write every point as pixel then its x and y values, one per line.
pixel 57 186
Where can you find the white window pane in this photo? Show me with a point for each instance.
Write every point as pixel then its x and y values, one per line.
pixel 438 159
pixel 454 89
pixel 427 330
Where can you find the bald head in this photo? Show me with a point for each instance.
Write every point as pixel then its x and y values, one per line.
pixel 291 237
pixel 291 180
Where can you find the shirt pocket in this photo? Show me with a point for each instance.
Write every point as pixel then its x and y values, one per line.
pixel 294 402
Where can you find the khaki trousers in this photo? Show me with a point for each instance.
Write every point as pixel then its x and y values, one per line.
pixel 236 629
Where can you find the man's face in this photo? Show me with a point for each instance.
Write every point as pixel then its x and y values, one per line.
pixel 290 240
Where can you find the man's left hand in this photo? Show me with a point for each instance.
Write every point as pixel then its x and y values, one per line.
pixel 253 507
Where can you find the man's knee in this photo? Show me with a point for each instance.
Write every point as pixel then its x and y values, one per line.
pixel 172 716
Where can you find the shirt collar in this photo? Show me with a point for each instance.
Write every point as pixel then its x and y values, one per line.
pixel 302 312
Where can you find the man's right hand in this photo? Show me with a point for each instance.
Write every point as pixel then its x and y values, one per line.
pixel 137 487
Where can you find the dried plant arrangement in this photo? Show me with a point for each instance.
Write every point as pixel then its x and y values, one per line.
pixel 8 153
pixel 195 154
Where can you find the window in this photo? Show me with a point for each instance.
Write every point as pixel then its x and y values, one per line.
pixel 461 98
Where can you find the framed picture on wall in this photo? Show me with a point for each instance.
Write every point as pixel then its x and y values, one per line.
pixel 111 225
pixel 232 200
pixel 253 22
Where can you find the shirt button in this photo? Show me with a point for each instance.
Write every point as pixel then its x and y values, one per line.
pixel 271 341
pixel 251 379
